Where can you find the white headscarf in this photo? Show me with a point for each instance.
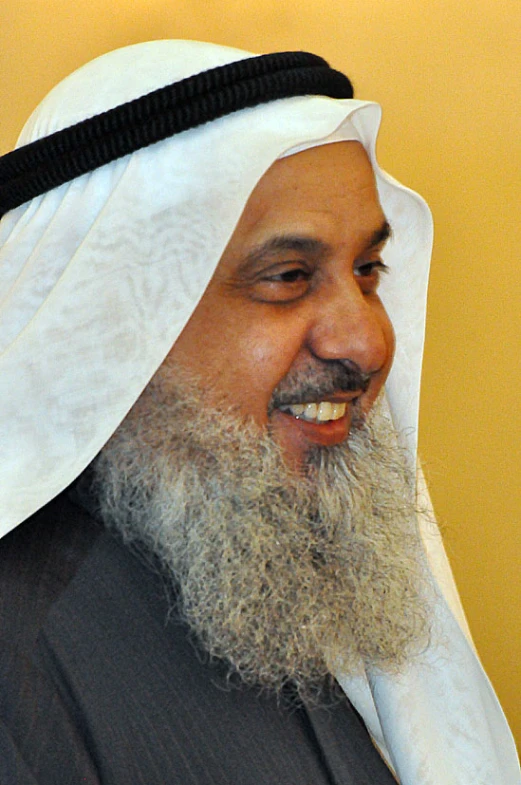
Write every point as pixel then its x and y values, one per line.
pixel 99 276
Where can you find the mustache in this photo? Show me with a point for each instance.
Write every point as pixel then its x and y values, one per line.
pixel 318 380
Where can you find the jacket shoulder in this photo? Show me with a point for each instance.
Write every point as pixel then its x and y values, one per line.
pixel 37 562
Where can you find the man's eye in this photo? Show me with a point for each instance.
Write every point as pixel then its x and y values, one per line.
pixel 369 274
pixel 371 268
pixel 294 275
pixel 283 284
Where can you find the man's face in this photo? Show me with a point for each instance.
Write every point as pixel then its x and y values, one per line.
pixel 292 309
pixel 290 318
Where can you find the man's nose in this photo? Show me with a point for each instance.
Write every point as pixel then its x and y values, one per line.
pixel 350 325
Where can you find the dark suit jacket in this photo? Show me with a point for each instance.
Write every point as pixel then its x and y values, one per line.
pixel 100 683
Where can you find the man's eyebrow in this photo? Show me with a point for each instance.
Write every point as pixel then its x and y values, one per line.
pixel 381 235
pixel 304 244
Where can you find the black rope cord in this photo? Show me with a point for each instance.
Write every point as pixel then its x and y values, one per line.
pixel 64 155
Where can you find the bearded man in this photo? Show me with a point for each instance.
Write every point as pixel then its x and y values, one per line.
pixel 225 573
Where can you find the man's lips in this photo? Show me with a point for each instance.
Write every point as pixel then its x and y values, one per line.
pixel 326 422
pixel 329 407
pixel 324 433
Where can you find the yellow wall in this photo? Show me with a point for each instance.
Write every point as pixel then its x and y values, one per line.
pixel 447 73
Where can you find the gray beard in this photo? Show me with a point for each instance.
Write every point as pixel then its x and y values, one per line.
pixel 285 577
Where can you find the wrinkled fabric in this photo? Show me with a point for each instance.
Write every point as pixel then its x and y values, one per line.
pixel 97 280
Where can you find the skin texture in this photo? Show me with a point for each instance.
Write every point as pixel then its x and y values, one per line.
pixel 278 310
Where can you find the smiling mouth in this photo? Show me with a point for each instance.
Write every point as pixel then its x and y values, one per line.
pixel 319 412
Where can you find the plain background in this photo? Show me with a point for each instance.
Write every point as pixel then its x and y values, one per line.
pixel 447 73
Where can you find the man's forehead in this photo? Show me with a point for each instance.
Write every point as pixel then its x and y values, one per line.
pixel 311 157
pixel 337 170
pixel 310 202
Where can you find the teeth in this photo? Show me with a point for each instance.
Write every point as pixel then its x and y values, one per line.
pixel 324 411
pixel 310 411
pixel 338 410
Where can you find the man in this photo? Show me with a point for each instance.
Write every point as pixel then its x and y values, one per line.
pixel 192 326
